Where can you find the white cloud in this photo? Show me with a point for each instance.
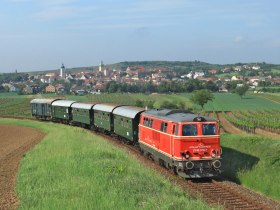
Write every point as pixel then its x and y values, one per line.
pixel 239 39
pixel 20 1
pixel 56 13
pixel 63 12
pixel 275 43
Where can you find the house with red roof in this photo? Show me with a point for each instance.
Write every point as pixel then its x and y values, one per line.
pixel 213 71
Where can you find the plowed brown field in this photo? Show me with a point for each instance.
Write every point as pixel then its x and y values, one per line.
pixel 15 141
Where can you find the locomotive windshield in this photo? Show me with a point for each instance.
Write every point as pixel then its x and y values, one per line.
pixel 209 129
pixel 189 130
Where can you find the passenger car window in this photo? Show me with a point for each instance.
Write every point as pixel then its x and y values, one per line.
pixel 189 130
pixel 209 129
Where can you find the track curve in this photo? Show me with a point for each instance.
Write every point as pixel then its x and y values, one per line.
pixel 213 191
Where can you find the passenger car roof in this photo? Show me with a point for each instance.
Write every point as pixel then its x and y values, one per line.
pixel 128 111
pixel 43 101
pixel 64 103
pixel 105 107
pixel 82 105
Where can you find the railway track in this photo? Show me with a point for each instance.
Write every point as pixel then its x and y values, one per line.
pixel 230 195
pixel 216 192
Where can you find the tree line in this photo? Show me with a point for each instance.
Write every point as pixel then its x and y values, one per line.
pixel 165 87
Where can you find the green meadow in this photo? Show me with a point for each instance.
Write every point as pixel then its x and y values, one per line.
pixel 252 161
pixel 233 102
pixel 75 169
pixel 221 102
pixel 95 169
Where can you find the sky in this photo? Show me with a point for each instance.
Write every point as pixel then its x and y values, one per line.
pixel 42 34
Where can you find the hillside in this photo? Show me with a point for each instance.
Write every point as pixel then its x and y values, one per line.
pixel 178 66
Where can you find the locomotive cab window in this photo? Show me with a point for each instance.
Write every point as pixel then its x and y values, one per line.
pixel 175 130
pixel 148 122
pixel 209 129
pixel 189 130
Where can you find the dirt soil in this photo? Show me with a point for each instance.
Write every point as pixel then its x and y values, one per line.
pixel 227 126
pixel 15 141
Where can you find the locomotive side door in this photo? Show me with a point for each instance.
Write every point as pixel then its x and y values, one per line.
pixel 174 132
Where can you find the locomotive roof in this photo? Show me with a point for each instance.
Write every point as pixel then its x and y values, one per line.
pixel 64 103
pixel 43 101
pixel 128 111
pixel 177 115
pixel 105 107
pixel 82 106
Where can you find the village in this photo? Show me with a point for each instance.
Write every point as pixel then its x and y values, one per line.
pixel 66 81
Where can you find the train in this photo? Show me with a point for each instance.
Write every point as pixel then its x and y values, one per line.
pixel 182 141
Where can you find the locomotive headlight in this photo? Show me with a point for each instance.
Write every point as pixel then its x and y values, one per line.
pixel 185 154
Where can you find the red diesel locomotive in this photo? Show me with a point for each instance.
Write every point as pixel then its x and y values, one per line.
pixel 187 143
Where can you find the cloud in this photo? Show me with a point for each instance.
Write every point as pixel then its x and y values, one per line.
pixel 20 1
pixel 57 2
pixel 239 39
pixel 155 6
pixel 275 43
pixel 55 12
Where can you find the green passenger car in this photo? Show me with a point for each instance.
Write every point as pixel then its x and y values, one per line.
pixel 126 121
pixel 62 111
pixel 42 107
pixel 82 114
pixel 103 116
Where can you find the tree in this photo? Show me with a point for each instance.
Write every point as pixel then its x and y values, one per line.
pixel 242 90
pixel 168 105
pixel 210 85
pixel 150 104
pixel 139 103
pixel 201 97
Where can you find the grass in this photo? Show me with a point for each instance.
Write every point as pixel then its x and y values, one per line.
pixel 275 71
pixel 270 96
pixel 222 101
pixel 253 162
pixel 15 107
pixel 131 98
pixel 233 102
pixel 74 169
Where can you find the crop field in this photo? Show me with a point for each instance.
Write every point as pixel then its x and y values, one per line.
pixel 250 120
pixel 130 98
pixel 75 169
pixel 15 107
pixel 276 71
pixel 15 141
pixel 250 160
pixel 233 102
pixel 275 97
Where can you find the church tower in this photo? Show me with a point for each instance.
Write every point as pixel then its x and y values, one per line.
pixel 62 72
pixel 101 66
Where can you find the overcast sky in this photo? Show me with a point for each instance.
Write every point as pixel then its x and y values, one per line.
pixel 41 34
